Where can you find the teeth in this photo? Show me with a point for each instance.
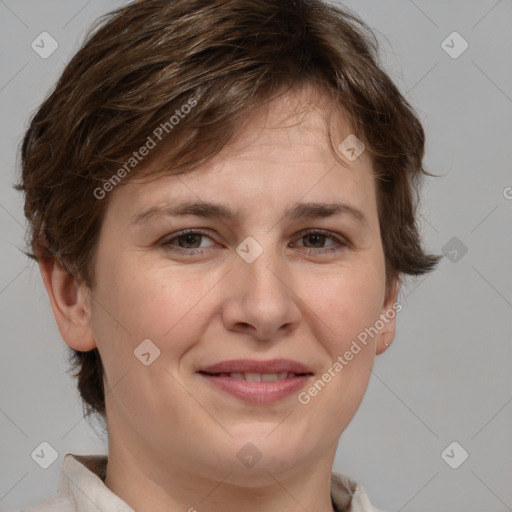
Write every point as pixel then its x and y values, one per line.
pixel 253 377
pixel 260 377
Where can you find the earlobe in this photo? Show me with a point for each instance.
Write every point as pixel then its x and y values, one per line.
pixel 70 304
pixel 387 319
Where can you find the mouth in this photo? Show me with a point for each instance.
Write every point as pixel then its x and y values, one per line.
pixel 255 377
pixel 258 381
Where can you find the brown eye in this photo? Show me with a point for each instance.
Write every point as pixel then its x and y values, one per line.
pixel 187 241
pixel 314 240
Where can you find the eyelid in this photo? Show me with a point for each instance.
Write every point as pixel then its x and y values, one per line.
pixel 342 242
pixel 336 236
pixel 165 241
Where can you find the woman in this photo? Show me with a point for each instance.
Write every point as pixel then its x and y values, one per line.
pixel 222 201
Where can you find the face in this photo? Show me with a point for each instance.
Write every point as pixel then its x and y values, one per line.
pixel 265 282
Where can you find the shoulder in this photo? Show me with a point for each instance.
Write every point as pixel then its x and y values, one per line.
pixel 57 503
pixel 80 487
pixel 349 496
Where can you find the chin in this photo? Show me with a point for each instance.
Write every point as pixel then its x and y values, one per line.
pixel 266 470
pixel 269 448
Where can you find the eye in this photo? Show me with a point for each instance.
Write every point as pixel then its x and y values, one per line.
pixel 316 238
pixel 188 241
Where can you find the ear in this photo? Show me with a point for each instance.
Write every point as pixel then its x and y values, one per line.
pixel 388 314
pixel 70 304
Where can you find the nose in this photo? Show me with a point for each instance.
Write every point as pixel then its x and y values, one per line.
pixel 260 300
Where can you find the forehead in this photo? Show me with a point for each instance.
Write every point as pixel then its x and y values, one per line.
pixel 274 128
pixel 280 154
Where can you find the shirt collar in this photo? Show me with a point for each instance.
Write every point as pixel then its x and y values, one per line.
pixel 82 479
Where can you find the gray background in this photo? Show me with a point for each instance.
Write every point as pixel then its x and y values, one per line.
pixel 446 377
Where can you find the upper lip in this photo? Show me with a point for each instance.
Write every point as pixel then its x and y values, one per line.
pixel 255 366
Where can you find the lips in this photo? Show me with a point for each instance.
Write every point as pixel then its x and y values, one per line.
pixel 258 381
pixel 258 377
pixel 255 366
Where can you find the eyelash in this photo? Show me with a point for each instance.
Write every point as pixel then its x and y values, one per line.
pixel 342 244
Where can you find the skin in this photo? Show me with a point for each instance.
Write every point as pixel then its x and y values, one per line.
pixel 173 437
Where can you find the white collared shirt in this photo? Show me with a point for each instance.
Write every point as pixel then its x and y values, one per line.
pixel 81 489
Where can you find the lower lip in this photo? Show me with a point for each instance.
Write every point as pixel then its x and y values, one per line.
pixel 259 392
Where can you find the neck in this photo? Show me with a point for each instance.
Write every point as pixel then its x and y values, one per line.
pixel 149 487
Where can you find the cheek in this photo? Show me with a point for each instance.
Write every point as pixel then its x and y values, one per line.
pixel 347 305
pixel 346 301
pixel 149 301
pixel 138 303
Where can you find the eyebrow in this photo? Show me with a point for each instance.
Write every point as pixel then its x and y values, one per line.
pixel 222 212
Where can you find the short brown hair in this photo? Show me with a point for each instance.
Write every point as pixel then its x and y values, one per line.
pixel 142 63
